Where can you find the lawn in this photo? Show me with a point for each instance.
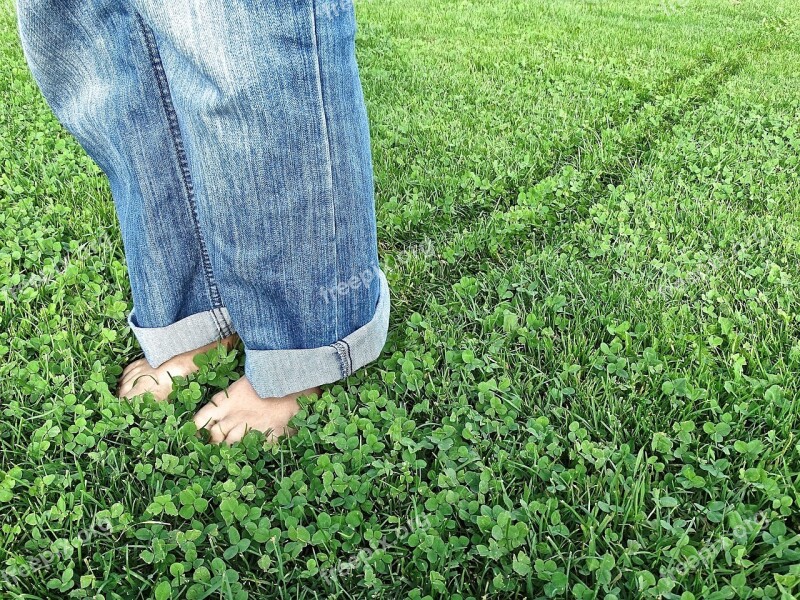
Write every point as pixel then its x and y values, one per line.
pixel 589 216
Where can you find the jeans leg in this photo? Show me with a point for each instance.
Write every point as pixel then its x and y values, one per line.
pixel 268 98
pixel 91 62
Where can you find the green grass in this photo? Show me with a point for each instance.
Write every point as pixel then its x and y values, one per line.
pixel 589 214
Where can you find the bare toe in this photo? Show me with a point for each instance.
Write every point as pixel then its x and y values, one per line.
pixel 229 417
pixel 130 374
pixel 135 363
pixel 237 432
pixel 218 430
pixel 139 377
pixel 210 413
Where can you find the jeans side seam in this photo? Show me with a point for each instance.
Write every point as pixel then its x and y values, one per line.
pixel 328 153
pixel 343 352
pixel 349 357
pixel 226 328
pixel 177 141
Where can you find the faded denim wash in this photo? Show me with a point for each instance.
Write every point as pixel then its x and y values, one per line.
pixel 235 139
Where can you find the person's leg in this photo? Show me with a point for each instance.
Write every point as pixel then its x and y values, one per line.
pixel 268 99
pixel 90 60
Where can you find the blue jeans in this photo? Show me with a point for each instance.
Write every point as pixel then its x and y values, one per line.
pixel 236 143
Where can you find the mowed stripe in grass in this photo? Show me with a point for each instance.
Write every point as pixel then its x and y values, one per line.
pixel 588 387
pixel 486 101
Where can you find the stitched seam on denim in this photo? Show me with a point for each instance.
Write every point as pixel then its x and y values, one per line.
pixel 220 322
pixel 349 358
pixel 341 352
pixel 177 141
pixel 226 330
pixel 217 316
pixel 227 326
pixel 329 155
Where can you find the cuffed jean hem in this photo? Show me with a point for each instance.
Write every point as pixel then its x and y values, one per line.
pixel 190 333
pixel 277 373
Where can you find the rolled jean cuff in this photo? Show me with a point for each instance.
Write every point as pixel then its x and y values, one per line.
pixel 277 373
pixel 190 333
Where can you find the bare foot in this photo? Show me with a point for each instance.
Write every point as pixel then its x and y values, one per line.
pixel 139 377
pixel 230 414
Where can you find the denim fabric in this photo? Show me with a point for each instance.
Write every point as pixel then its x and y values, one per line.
pixel 235 139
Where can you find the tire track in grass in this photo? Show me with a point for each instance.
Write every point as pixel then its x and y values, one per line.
pixel 497 228
pixel 494 245
pixel 570 156
pixel 632 146
pixel 505 239
pixel 556 202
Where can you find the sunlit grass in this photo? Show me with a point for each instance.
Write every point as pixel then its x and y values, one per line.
pixel 588 214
